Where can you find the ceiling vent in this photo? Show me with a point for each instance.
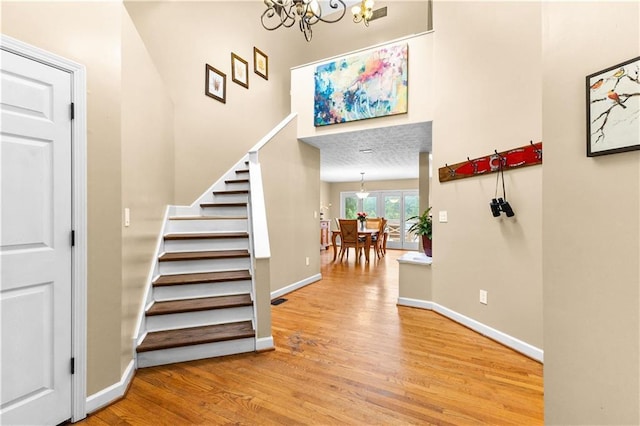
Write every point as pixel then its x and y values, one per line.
pixel 378 13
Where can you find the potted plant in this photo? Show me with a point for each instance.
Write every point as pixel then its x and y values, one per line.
pixel 423 227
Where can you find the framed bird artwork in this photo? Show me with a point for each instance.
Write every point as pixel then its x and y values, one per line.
pixel 613 109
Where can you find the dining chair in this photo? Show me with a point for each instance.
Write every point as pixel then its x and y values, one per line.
pixel 349 238
pixel 385 237
pixel 380 240
pixel 373 222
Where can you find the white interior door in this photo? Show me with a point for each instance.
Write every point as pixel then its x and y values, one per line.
pixel 35 244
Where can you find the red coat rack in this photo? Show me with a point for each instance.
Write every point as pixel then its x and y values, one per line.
pixel 528 155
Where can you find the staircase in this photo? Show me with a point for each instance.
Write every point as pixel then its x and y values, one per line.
pixel 200 302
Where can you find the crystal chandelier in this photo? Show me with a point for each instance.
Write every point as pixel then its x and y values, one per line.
pixel 363 12
pixel 285 13
pixel 362 194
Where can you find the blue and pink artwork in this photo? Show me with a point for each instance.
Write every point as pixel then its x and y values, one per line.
pixel 357 87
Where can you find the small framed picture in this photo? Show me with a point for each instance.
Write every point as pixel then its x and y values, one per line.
pixel 260 63
pixel 215 85
pixel 613 109
pixel 239 70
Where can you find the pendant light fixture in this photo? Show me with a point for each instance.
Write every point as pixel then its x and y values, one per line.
pixel 362 194
pixel 286 13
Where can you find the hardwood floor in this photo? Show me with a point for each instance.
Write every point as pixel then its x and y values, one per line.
pixel 345 354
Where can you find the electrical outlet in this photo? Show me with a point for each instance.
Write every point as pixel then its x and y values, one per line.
pixel 442 216
pixel 483 297
pixel 307 261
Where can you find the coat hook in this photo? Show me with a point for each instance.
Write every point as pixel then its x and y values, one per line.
pixel 538 151
pixel 451 171
pixel 474 164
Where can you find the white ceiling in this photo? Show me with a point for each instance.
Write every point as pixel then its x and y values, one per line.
pixel 395 153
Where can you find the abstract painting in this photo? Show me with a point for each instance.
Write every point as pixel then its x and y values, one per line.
pixel 361 86
pixel 613 109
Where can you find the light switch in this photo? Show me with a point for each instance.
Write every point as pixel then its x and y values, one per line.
pixel 442 216
pixel 127 216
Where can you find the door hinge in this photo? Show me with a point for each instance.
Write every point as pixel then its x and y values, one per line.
pixel 73 110
pixel 73 366
pixel 73 238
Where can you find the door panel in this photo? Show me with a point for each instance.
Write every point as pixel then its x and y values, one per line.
pixel 35 250
pixel 411 209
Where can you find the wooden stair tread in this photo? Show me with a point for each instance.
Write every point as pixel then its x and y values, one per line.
pixel 206 217
pixel 202 277
pixel 232 192
pixel 196 336
pixel 236 181
pixel 203 304
pixel 202 255
pixel 223 204
pixel 242 171
pixel 205 235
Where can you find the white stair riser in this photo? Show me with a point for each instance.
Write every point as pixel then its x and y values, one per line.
pixel 209 265
pixel 206 245
pixel 231 198
pixel 188 291
pixel 218 225
pixel 236 186
pixel 186 353
pixel 224 211
pixel 196 319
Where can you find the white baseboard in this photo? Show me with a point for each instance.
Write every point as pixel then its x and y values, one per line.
pixel 415 303
pixel 503 338
pixel 265 344
pixel 295 286
pixel 112 393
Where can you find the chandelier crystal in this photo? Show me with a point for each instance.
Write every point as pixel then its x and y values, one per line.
pixel 285 13
pixel 363 12
pixel 362 194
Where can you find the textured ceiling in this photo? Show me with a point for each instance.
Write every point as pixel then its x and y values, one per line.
pixel 395 153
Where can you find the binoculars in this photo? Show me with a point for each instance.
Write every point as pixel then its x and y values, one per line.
pixel 499 205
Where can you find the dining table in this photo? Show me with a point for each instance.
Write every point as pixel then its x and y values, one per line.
pixel 367 233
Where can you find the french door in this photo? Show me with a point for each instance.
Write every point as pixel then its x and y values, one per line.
pixel 395 206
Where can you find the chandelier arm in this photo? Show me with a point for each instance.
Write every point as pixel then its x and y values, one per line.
pixel 286 18
pixel 335 4
pixel 305 27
